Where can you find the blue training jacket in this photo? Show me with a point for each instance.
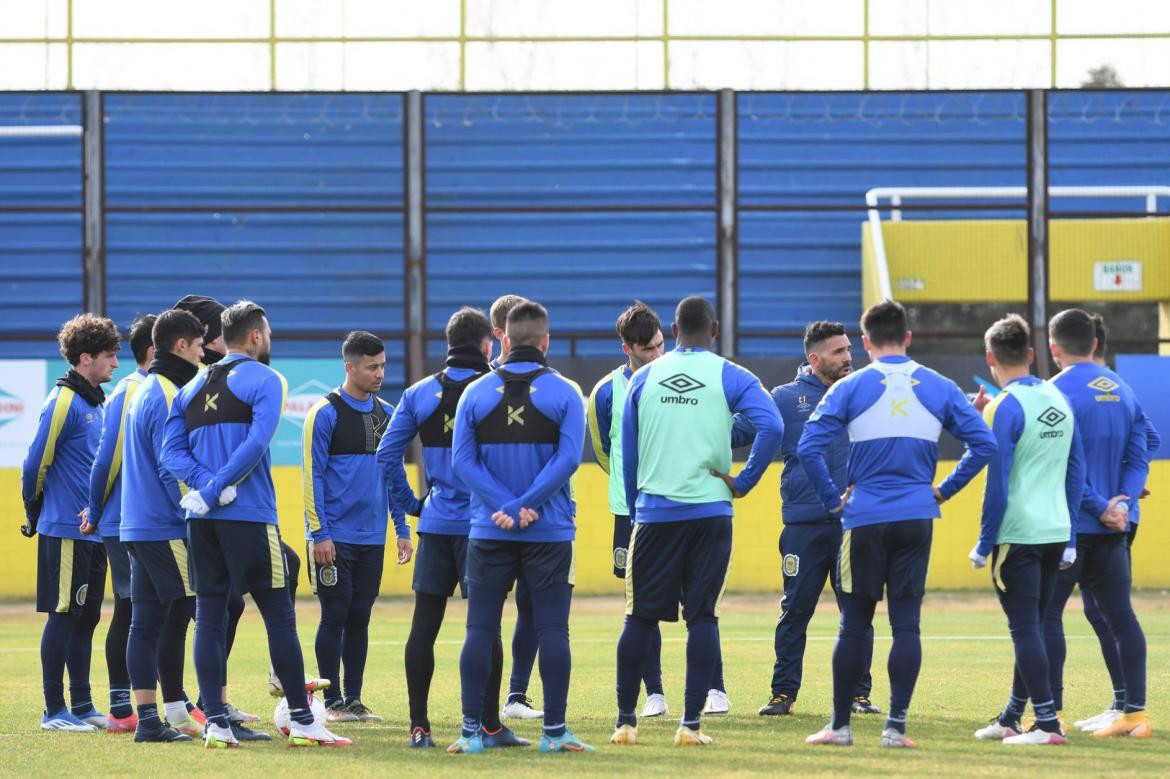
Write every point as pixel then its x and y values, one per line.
pixel 1114 438
pixel 894 411
pixel 799 501
pixel 346 495
pixel 150 493
pixel 504 477
pixel 105 477
pixel 1153 444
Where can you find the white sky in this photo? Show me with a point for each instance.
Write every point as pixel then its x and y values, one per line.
pixel 517 65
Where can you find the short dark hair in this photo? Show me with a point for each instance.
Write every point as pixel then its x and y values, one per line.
pixel 1102 337
pixel 468 327
pixel 1073 331
pixel 694 316
pixel 360 343
pixel 87 334
pixel 885 323
pixel 142 337
pixel 502 307
pixel 638 324
pixel 239 319
pixel 172 325
pixel 818 332
pixel 1008 340
pixel 527 324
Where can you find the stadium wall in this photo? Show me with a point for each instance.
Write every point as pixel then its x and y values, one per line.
pixel 755 565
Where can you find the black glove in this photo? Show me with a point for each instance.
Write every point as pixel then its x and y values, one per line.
pixel 32 512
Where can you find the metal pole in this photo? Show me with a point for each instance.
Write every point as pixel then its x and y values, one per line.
pixel 1037 150
pixel 414 261
pixel 727 235
pixel 93 204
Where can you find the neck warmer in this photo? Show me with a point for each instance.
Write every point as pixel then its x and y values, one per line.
pixel 173 367
pixel 94 396
pixel 467 356
pixel 526 354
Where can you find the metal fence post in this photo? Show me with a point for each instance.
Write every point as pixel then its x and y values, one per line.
pixel 1037 151
pixel 414 278
pixel 93 205
pixel 727 227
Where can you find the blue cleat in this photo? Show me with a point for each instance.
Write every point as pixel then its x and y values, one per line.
pixel 421 739
pixel 467 745
pixel 565 742
pixel 65 720
pixel 503 737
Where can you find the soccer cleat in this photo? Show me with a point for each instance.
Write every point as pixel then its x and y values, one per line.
pixel 314 735
pixel 625 735
pixel 339 712
pixel 162 734
pixel 1031 723
pixel 1134 724
pixel 362 712
pixel 655 706
pixel 996 731
pixel 467 745
pixel 94 717
pixel 689 737
pixel 501 738
pixel 779 706
pixel 421 739
pixel 276 689
pixel 198 715
pixel 64 720
pixel 863 705
pixel 235 715
pixel 717 702
pixel 245 734
pixel 840 737
pixel 566 742
pixel 188 726
pixel 1098 721
pixel 219 737
pixel 123 724
pixel 893 739
pixel 520 707
pixel 1036 737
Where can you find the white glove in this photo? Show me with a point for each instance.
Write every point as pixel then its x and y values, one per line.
pixel 194 503
pixel 977 560
pixel 228 495
pixel 1068 558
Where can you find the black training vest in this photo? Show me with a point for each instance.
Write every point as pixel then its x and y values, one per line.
pixel 516 420
pixel 214 403
pixel 356 432
pixel 438 429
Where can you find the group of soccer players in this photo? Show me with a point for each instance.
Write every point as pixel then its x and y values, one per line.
pixel 168 483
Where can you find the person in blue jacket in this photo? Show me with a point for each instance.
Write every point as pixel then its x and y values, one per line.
pixel 894 410
pixel 811 535
pixel 71 567
pixel 517 442
pixel 347 501
pixel 103 516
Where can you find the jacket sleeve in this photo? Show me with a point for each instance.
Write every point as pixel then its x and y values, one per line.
pixel 747 397
pixel 105 470
pixel 177 456
pixel 600 419
pixel 1074 481
pixel 1007 424
pixel 1136 466
pixel 315 437
pixel 630 441
pixel 963 422
pixel 564 461
pixel 391 451
pixel 266 410
pixel 465 454
pixel 828 419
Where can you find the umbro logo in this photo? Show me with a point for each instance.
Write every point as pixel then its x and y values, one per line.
pixel 1103 384
pixel 682 383
pixel 1051 417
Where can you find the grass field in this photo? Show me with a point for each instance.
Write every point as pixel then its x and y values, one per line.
pixel 965 676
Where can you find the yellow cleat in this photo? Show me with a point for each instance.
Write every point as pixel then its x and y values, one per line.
pixel 1135 724
pixel 625 735
pixel 686 737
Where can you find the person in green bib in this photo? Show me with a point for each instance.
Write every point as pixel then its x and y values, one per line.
pixel 676 442
pixel 1035 482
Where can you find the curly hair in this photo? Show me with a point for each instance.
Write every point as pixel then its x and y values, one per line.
pixel 87 334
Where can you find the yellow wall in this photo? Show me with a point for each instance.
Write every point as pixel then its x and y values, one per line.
pixel 755 563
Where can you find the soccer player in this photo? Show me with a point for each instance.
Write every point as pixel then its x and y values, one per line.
pixel 104 513
pixel 894 410
pixel 676 452
pixel 346 504
pixel 517 441
pixel 811 535
pixel 217 438
pixel 427 409
pixel 71 567
pixel 154 531
pixel 1035 482
pixel 1117 463
pixel 642 342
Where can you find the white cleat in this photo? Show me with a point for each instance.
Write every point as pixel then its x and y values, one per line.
pixel 521 708
pixel 717 702
pixel 893 739
pixel 1098 721
pixel 997 732
pixel 841 737
pixel 66 722
pixel 314 735
pixel 655 706
pixel 218 737
pixel 1036 737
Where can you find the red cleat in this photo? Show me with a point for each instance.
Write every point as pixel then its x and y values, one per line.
pixel 124 725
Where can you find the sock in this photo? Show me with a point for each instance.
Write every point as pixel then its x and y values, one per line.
pixel 702 657
pixel 1118 703
pixel 81 701
pixel 148 716
pixel 633 648
pixel 54 640
pixel 1013 711
pixel 491 691
pixel 470 727
pixel 1024 615
pixel 210 655
pixel 355 644
pixel 190 706
pixel 849 654
pixel 524 646
pixel 550 608
pixel 327 646
pixel 176 712
pixel 420 654
pixel 905 659
pixel 120 706
pixel 1046 718
pixel 117 635
pixel 484 608
pixel 652 673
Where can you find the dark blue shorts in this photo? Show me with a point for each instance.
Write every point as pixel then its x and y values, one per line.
pixel 678 562
pixel 159 571
pixel 357 570
pixel 229 555
pixel 1102 558
pixel 67 571
pixel 440 565
pixel 1026 570
pixel 119 560
pixel 621 543
pixel 497 565
pixel 890 557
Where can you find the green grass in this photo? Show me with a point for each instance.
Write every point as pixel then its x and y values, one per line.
pixel 965 676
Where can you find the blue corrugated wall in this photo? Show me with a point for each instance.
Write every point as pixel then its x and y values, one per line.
pixel 581 201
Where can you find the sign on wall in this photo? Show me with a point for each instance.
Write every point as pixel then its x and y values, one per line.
pixel 22 393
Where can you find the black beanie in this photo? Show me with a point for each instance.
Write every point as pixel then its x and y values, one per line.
pixel 207 311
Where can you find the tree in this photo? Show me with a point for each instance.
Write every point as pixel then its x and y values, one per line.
pixel 1103 77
